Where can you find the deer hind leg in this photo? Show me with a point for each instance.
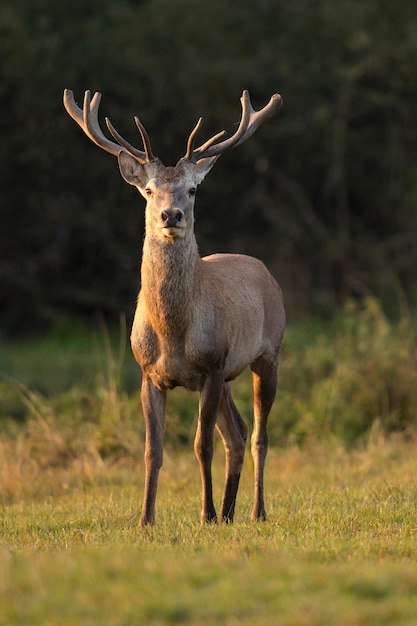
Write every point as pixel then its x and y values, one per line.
pixel 233 432
pixel 203 444
pixel 265 379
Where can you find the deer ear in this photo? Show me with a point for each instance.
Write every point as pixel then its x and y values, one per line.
pixel 202 168
pixel 131 170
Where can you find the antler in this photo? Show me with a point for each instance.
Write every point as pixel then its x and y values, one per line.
pixel 248 124
pixel 87 119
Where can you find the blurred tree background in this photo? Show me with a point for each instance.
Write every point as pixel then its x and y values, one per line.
pixel 325 193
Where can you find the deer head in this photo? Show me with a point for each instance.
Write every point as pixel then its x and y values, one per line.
pixel 169 191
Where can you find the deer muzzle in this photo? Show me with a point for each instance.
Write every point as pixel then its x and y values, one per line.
pixel 173 221
pixel 172 218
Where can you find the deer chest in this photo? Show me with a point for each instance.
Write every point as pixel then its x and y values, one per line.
pixel 173 360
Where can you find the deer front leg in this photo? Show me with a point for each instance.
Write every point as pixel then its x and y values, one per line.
pixel 153 405
pixel 203 444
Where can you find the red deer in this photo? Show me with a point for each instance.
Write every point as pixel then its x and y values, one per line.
pixel 199 322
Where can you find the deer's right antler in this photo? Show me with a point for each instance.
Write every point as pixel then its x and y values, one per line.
pixel 249 122
pixel 87 119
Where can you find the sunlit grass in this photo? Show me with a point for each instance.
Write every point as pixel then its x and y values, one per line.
pixel 339 545
pixel 323 501
pixel 340 542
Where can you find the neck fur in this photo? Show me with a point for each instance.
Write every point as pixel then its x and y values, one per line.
pixel 169 277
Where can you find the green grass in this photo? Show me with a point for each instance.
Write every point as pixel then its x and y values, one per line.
pixel 340 379
pixel 340 543
pixel 339 546
pixel 133 588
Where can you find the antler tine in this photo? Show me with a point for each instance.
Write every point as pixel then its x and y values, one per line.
pixel 138 154
pixel 249 122
pixel 87 119
pixel 192 154
pixel 257 117
pixel 91 124
pixel 145 139
pixel 191 139
pixel 71 107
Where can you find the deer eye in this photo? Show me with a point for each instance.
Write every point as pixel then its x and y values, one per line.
pixel 148 191
pixel 192 191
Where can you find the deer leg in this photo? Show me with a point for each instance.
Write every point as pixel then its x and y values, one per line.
pixel 153 405
pixel 265 378
pixel 203 444
pixel 233 432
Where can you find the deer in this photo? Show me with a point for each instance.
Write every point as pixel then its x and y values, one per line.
pixel 199 321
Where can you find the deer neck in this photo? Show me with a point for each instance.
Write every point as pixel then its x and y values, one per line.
pixel 169 281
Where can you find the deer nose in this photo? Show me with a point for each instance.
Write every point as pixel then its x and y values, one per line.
pixel 172 217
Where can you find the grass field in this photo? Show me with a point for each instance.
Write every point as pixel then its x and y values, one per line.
pixel 340 543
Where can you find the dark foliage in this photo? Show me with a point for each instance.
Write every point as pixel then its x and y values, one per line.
pixel 325 193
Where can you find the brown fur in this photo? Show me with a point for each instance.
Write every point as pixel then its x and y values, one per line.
pixel 199 322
